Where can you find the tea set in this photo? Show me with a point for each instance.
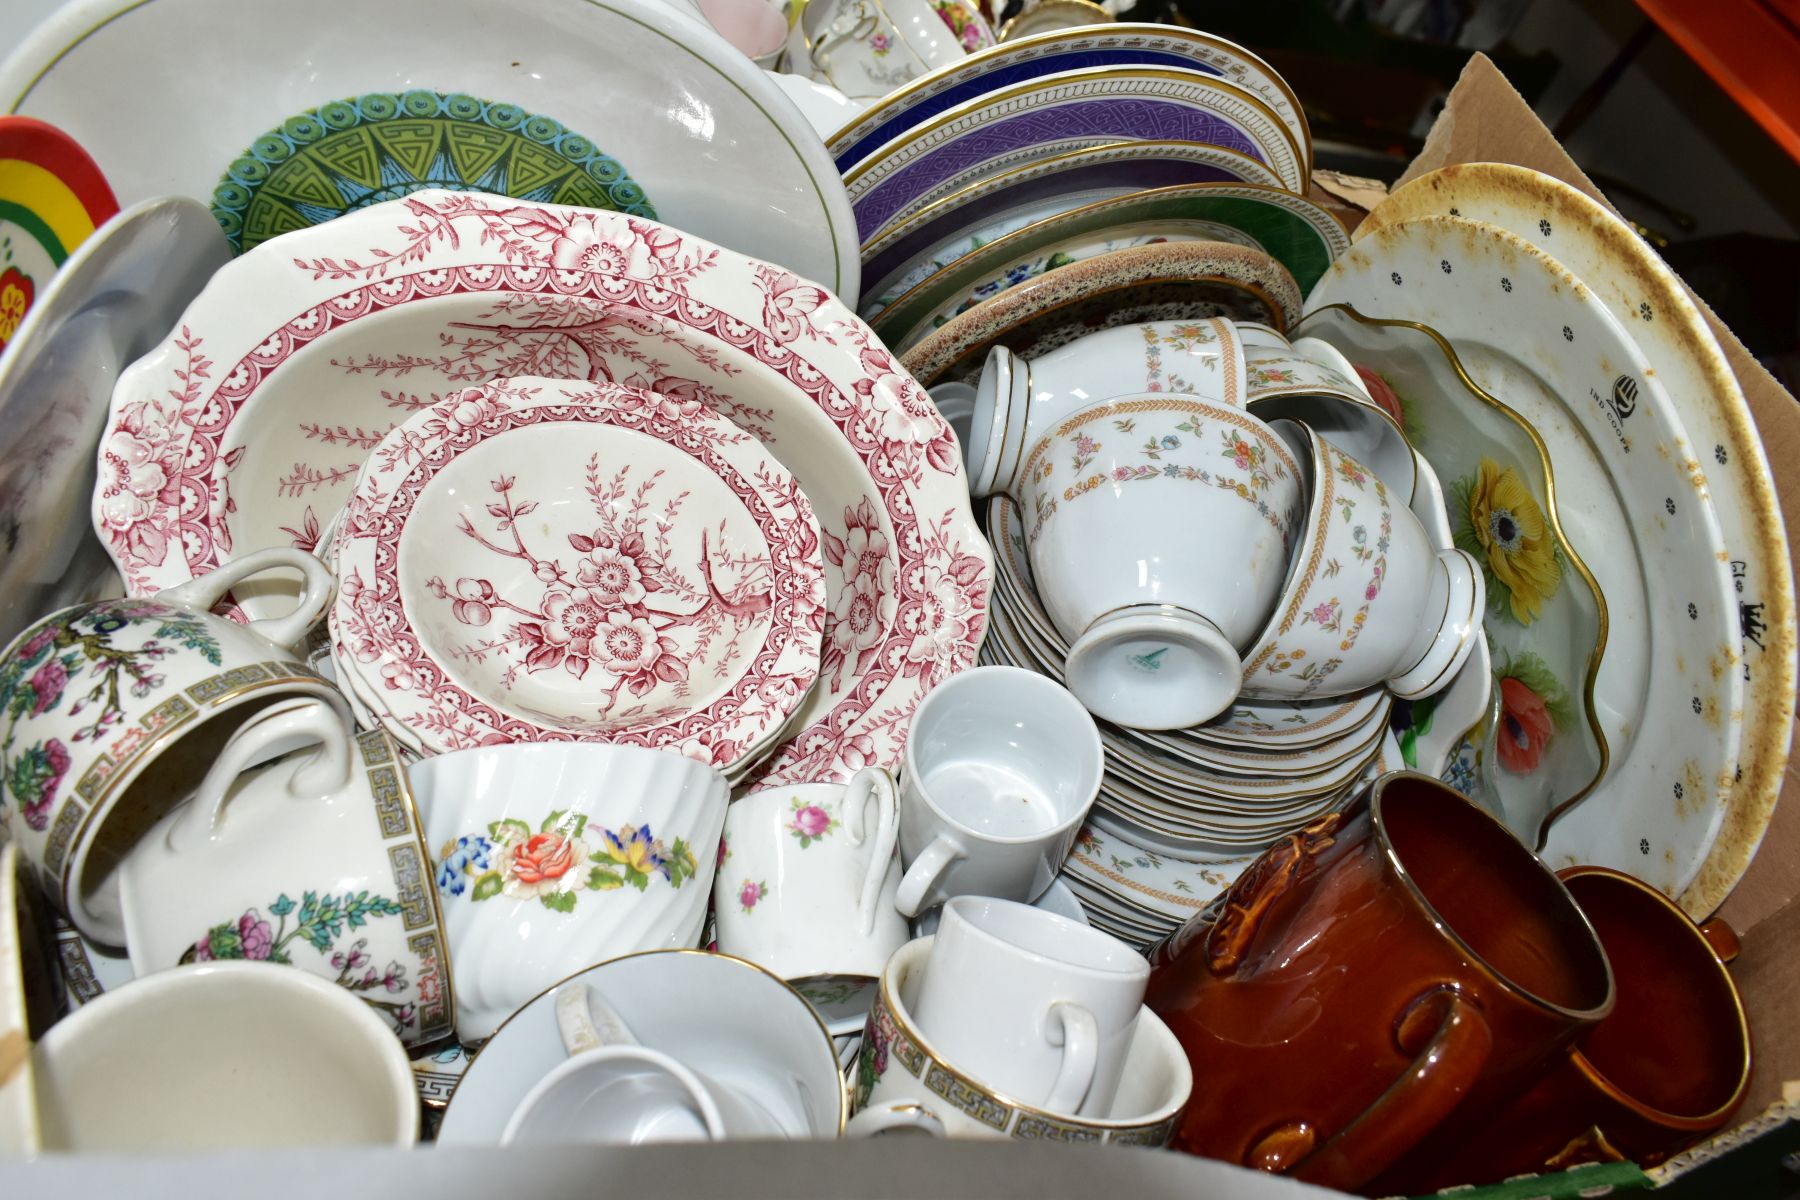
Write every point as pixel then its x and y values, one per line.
pixel 573 683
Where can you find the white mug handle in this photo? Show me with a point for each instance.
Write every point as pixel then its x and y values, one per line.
pixel 587 1022
pixel 916 884
pixel 1073 1028
pixel 875 783
pixel 315 590
pixel 901 1114
pixel 279 729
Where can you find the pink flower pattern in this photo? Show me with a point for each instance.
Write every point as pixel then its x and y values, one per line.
pixel 663 285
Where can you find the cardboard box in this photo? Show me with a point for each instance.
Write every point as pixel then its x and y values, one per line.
pixel 1485 119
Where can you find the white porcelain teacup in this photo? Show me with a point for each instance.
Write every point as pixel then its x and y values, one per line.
pixel 904 1081
pixel 1159 528
pixel 223 1056
pixel 1017 402
pixel 552 856
pixel 1292 385
pixel 1036 1005
pixel 1000 768
pixel 317 860
pixel 867 48
pixel 734 1025
pixel 807 878
pixel 1395 609
pixel 614 1089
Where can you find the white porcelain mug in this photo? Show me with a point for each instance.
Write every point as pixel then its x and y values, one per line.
pixel 317 860
pixel 807 878
pixel 1000 768
pixel 613 1089
pixel 223 1056
pixel 1032 1004
pixel 904 1083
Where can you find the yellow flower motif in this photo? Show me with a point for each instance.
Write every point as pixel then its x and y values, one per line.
pixel 1511 529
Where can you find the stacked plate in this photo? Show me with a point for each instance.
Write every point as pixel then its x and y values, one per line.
pixel 1079 179
pixel 600 480
pixel 1601 463
pixel 1215 791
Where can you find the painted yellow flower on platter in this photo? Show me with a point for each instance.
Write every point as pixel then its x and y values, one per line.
pixel 1513 539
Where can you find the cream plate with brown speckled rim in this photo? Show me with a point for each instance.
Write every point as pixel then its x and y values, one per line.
pixel 1169 281
pixel 1528 332
pixel 1638 288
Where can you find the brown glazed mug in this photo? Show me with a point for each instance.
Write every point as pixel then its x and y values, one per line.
pixel 1390 975
pixel 1668 1066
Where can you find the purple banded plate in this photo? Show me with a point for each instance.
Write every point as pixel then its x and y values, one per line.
pixel 1002 67
pixel 1094 106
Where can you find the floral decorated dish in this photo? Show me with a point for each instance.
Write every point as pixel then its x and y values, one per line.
pixel 687 616
pixel 1294 232
pixel 1036 57
pixel 615 104
pixel 966 217
pixel 111 301
pixel 300 358
pixel 1163 281
pixel 1541 354
pixel 1006 127
pixel 1628 277
pixel 1168 891
pixel 52 197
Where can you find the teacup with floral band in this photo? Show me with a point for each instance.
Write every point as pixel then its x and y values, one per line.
pixel 112 711
pixel 806 884
pixel 316 860
pixel 1016 402
pixel 1159 529
pixel 1368 597
pixel 552 856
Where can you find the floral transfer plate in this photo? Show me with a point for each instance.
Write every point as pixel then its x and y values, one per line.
pixel 1030 58
pixel 1636 286
pixel 1097 105
pixel 1667 698
pixel 615 104
pixel 256 415
pixel 669 593
pixel 1296 233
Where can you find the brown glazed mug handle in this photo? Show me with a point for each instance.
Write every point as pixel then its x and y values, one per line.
pixel 1440 1075
pixel 1722 938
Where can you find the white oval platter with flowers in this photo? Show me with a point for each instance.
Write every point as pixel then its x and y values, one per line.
pixel 248 426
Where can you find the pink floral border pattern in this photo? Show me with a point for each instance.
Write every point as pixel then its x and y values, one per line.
pixel 163 479
pixel 783 668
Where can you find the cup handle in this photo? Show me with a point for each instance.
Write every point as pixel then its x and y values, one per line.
pixel 1440 1076
pixel 915 885
pixel 901 1114
pixel 279 729
pixel 875 783
pixel 315 590
pixel 1073 1028
pixel 838 30
pixel 587 1022
pixel 1722 939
